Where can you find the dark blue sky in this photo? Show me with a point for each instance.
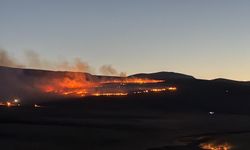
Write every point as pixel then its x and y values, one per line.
pixel 207 39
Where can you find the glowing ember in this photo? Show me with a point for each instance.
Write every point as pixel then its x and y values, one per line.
pixel 109 94
pixel 158 90
pixel 211 146
pixel 132 81
pixel 8 104
pixel 172 88
pixel 154 90
pixel 163 89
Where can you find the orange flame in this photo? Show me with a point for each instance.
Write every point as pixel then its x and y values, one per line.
pixel 75 84
pixel 212 146
pixel 72 84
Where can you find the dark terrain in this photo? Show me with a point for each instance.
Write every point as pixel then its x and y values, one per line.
pixel 158 121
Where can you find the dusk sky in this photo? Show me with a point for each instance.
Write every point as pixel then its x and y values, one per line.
pixel 204 38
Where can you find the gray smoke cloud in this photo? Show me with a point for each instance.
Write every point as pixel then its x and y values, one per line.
pixel 7 60
pixel 78 66
pixel 35 61
pixel 110 70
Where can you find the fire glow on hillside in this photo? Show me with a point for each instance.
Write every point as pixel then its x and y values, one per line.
pixel 212 146
pixel 79 86
pixel 132 81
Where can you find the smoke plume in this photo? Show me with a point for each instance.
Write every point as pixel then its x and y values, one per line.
pixel 78 65
pixel 6 60
pixel 35 61
pixel 109 70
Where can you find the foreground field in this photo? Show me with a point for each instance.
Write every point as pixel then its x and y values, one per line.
pixel 75 128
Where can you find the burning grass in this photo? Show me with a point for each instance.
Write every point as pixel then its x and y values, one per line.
pixel 77 85
pixel 132 81
pixel 70 84
pixel 215 146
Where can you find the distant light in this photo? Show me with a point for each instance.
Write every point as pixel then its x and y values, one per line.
pixel 37 106
pixel 211 113
pixel 8 104
pixel 172 88
pixel 16 100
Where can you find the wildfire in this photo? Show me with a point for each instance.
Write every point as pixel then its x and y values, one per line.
pixel 77 85
pixel 212 146
pixel 132 81
pixel 72 85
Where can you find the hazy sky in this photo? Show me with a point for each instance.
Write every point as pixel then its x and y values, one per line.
pixel 204 38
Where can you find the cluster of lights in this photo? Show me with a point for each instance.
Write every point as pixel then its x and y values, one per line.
pixel 15 103
pixel 156 90
pixel 11 103
pixel 140 92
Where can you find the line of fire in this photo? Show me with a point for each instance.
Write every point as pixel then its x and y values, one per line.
pixel 80 87
pixel 214 146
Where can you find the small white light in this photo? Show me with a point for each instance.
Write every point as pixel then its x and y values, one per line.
pixel 211 113
pixel 16 100
pixel 37 106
